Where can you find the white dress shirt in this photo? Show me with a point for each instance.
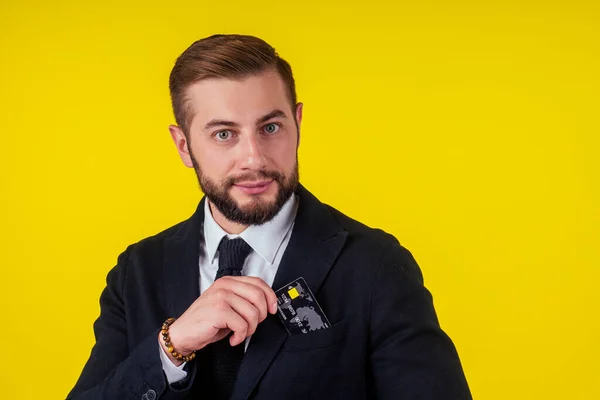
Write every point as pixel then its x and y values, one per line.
pixel 268 242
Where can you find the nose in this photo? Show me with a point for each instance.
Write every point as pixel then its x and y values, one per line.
pixel 252 154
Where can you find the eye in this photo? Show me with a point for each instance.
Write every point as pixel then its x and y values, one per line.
pixel 223 135
pixel 271 128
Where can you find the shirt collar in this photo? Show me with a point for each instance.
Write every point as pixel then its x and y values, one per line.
pixel 264 239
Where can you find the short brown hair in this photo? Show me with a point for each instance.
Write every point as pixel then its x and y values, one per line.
pixel 223 56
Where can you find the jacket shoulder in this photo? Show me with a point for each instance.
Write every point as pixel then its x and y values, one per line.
pixel 158 239
pixel 374 236
pixel 382 247
pixel 150 250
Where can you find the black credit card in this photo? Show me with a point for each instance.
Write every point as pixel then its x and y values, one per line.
pixel 298 309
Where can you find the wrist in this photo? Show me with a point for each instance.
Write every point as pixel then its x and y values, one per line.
pixel 170 343
pixel 178 341
pixel 165 350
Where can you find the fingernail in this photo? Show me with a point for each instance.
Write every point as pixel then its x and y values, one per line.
pixel 274 308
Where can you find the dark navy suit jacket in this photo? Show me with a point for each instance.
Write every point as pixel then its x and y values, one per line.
pixel 384 342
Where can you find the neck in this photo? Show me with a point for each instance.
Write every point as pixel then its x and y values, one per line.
pixel 233 228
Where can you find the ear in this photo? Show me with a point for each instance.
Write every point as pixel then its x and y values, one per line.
pixel 299 108
pixel 181 142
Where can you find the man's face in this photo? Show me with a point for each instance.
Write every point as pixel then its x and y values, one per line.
pixel 243 143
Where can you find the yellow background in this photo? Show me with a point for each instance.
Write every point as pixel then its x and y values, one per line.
pixel 467 129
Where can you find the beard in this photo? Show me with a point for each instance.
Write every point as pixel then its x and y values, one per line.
pixel 258 211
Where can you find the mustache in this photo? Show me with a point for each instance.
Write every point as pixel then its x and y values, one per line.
pixel 255 176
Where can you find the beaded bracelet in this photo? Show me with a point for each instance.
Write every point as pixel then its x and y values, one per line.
pixel 170 349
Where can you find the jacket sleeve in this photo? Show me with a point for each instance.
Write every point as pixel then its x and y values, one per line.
pixel 410 356
pixel 113 371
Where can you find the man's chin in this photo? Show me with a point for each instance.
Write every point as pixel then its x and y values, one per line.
pixel 253 212
pixel 249 204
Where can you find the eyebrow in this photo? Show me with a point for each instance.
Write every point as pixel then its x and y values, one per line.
pixel 222 122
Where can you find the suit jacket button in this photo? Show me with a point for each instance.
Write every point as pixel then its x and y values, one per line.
pixel 149 395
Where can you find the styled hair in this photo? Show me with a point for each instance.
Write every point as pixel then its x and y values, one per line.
pixel 223 56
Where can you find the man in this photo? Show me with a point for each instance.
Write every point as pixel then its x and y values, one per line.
pixel 376 334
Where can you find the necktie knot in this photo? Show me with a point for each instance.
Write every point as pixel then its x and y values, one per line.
pixel 232 254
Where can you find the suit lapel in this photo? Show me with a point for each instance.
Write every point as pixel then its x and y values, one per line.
pixel 181 270
pixel 316 241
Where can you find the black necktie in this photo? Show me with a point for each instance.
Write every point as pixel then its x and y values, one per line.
pixel 226 359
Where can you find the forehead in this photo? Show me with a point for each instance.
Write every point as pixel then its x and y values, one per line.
pixel 241 101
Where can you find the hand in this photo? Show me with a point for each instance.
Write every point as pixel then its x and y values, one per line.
pixel 232 304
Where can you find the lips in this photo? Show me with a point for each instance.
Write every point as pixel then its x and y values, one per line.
pixel 253 187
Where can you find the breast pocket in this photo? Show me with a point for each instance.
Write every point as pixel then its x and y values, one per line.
pixel 318 339
pixel 310 365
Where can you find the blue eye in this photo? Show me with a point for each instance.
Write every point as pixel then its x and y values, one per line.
pixel 271 128
pixel 223 135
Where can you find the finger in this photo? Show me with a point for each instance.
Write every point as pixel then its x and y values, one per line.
pixel 246 310
pixel 237 324
pixel 270 296
pixel 248 291
pixel 222 334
